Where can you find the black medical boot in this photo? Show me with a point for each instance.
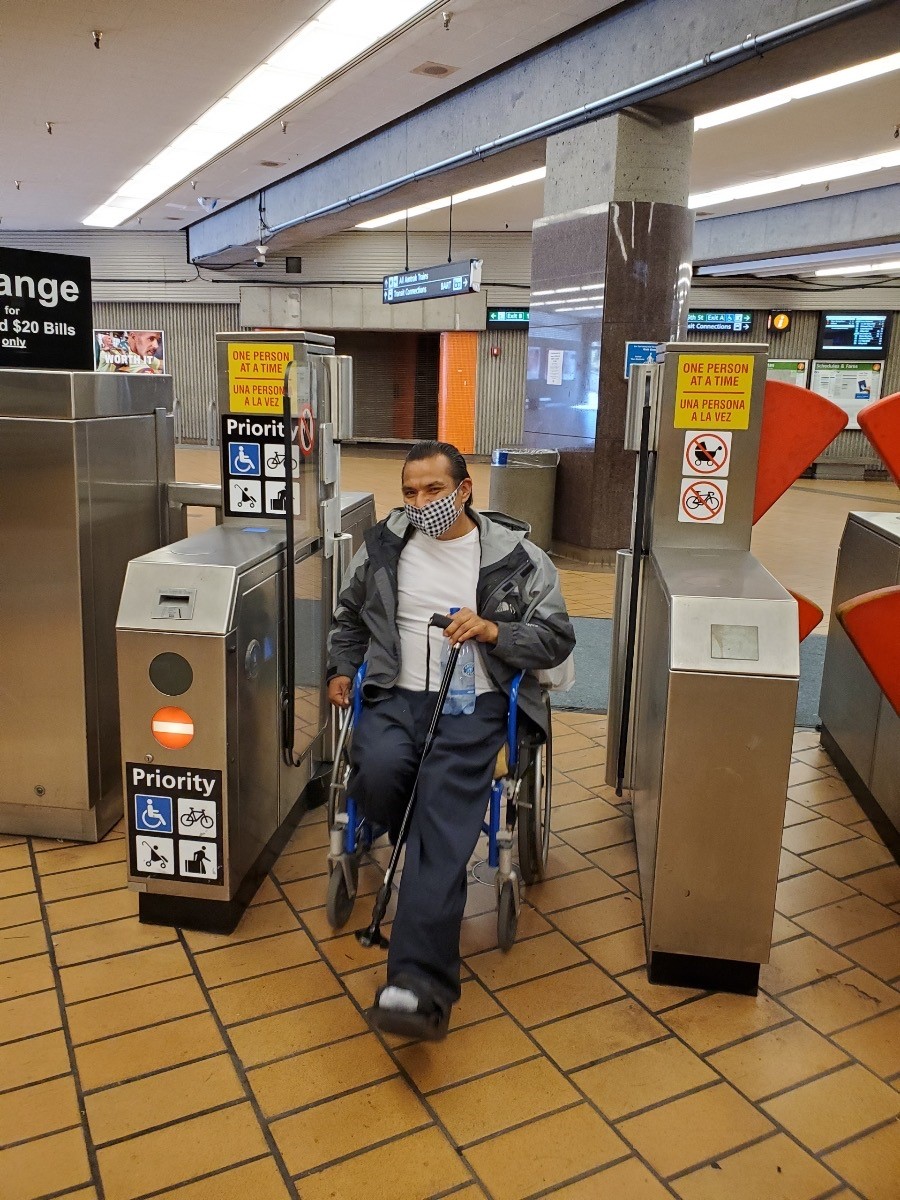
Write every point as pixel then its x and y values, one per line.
pixel 402 1011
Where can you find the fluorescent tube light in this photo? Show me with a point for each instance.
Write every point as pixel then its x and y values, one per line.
pixel 877 268
pixel 476 193
pixel 796 179
pixel 799 91
pixel 341 31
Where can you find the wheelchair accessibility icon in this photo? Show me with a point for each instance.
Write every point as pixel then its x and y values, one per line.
pixel 153 814
pixel 243 459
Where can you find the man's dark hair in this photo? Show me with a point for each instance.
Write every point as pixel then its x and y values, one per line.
pixel 430 449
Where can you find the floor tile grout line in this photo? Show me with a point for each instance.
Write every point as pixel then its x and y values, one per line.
pixel 37 1137
pixel 314 1104
pixel 403 1072
pixel 558 1110
pixel 207 1175
pixel 729 1153
pixel 129 1079
pixel 592 1173
pixel 90 1148
pixel 706 1086
pixel 174 1123
pixel 816 1078
pixel 330 1163
pixel 33 1082
pixel 238 1065
pixel 842 1144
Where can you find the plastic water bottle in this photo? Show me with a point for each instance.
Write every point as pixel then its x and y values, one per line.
pixel 461 696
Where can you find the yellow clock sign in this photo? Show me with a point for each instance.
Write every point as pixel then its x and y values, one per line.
pixel 713 391
pixel 256 376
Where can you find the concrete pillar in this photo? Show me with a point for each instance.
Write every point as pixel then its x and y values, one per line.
pixel 610 264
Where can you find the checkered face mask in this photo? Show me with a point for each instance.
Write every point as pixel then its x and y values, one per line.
pixel 435 518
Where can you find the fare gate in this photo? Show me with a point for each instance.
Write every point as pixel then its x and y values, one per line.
pixel 221 640
pixel 705 670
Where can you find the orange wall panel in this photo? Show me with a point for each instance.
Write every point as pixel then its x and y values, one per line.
pixel 456 391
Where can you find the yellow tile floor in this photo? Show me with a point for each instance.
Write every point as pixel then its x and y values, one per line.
pixel 138 1061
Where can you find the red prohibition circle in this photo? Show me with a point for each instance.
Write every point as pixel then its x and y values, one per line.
pixel 306 431
pixel 693 513
pixel 693 442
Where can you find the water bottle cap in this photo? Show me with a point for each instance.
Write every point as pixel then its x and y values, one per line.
pixel 453 610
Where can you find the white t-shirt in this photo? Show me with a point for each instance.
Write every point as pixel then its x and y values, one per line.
pixel 434 577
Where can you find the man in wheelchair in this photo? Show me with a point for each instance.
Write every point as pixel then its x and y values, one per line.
pixel 434 554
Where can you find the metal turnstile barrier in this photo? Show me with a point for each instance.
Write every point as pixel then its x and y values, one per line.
pixel 705 671
pixel 860 729
pixel 222 640
pixel 86 461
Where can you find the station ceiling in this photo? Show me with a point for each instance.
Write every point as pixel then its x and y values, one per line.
pixel 160 66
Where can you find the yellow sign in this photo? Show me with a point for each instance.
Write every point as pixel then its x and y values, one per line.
pixel 256 376
pixel 713 391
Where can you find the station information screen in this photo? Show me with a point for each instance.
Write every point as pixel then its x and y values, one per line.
pixel 853 336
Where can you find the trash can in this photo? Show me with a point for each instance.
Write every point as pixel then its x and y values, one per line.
pixel 523 483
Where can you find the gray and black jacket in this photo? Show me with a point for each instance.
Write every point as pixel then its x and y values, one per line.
pixel 518 589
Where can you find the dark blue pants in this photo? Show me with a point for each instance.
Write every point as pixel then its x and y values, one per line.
pixel 453 793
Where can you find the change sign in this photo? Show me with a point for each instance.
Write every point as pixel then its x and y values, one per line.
pixel 45 311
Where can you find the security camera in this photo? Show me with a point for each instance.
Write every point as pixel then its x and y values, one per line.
pixel 446 17
pixel 208 202
pixel 259 259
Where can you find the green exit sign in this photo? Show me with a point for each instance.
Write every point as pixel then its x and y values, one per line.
pixel 507 318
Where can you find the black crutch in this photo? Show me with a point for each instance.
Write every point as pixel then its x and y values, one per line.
pixel 372 936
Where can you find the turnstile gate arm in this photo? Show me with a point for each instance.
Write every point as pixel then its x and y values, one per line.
pixel 638 550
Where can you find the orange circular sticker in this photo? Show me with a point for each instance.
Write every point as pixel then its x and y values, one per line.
pixel 172 728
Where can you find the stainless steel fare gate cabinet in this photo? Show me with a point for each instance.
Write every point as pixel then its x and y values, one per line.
pixel 221 641
pixel 705 671
pixel 86 461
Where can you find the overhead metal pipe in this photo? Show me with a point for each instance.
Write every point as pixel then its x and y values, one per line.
pixel 752 46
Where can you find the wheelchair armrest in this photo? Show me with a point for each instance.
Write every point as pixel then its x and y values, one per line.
pixel 357 691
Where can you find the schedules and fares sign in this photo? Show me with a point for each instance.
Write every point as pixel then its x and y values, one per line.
pixel 713 391
pixel 45 311
pixel 433 283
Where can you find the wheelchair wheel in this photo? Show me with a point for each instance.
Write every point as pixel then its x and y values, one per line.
pixel 338 902
pixel 507 917
pixel 534 801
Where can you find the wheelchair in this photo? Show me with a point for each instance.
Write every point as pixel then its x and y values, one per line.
pixel 518 811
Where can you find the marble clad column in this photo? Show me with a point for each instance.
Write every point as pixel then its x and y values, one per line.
pixel 611 262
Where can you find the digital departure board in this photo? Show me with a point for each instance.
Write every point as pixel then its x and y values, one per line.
pixel 853 336
pixel 701 321
pixel 433 283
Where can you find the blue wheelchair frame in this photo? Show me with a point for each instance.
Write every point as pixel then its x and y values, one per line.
pixel 359 830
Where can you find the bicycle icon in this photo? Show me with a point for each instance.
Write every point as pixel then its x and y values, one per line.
pixel 276 461
pixel 708 500
pixel 703 502
pixel 196 816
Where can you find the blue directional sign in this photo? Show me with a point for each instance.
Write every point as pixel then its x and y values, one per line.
pixel 638 352
pixel 153 814
pixel 244 459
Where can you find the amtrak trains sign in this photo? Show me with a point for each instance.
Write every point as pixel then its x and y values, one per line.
pixel 433 283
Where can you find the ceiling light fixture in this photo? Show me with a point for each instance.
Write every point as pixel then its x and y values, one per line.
pixel 476 193
pixel 340 33
pixel 799 91
pixel 826 173
pixel 877 268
